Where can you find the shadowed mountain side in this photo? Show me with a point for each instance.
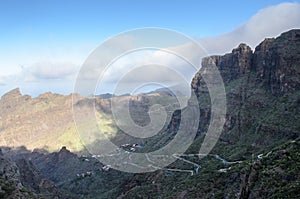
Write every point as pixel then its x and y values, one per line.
pixel 74 176
pixel 19 178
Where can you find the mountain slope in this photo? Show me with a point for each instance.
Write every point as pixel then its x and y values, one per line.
pixel 21 179
pixel 261 132
pixel 47 121
pixel 257 155
pixel 36 122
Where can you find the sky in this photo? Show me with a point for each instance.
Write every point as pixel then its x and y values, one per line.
pixel 43 44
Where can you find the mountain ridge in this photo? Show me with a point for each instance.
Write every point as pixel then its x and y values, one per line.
pixel 259 144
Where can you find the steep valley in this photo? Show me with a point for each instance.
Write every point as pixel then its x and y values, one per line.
pixel 256 156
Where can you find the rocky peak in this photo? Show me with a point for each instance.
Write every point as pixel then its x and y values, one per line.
pixel 242 51
pixel 292 35
pixel 261 56
pixel 243 56
pixel 13 94
pixel 231 65
pixel 277 61
pixel 64 150
pixel 265 45
pixel 11 99
pixel 64 154
pixel 46 95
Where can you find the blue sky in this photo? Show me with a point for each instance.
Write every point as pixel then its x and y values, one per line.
pixel 61 34
pixel 38 22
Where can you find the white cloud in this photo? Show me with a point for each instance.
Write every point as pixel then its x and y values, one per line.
pixel 268 22
pixel 2 81
pixel 148 66
pixel 41 77
pixel 50 70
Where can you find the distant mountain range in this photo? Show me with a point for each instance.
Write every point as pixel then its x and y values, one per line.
pixel 256 156
pixel 172 91
pixel 46 122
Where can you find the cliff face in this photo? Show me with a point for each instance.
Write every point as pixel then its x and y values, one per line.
pixel 234 64
pixel 276 62
pixel 21 179
pixel 261 90
pixel 262 127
